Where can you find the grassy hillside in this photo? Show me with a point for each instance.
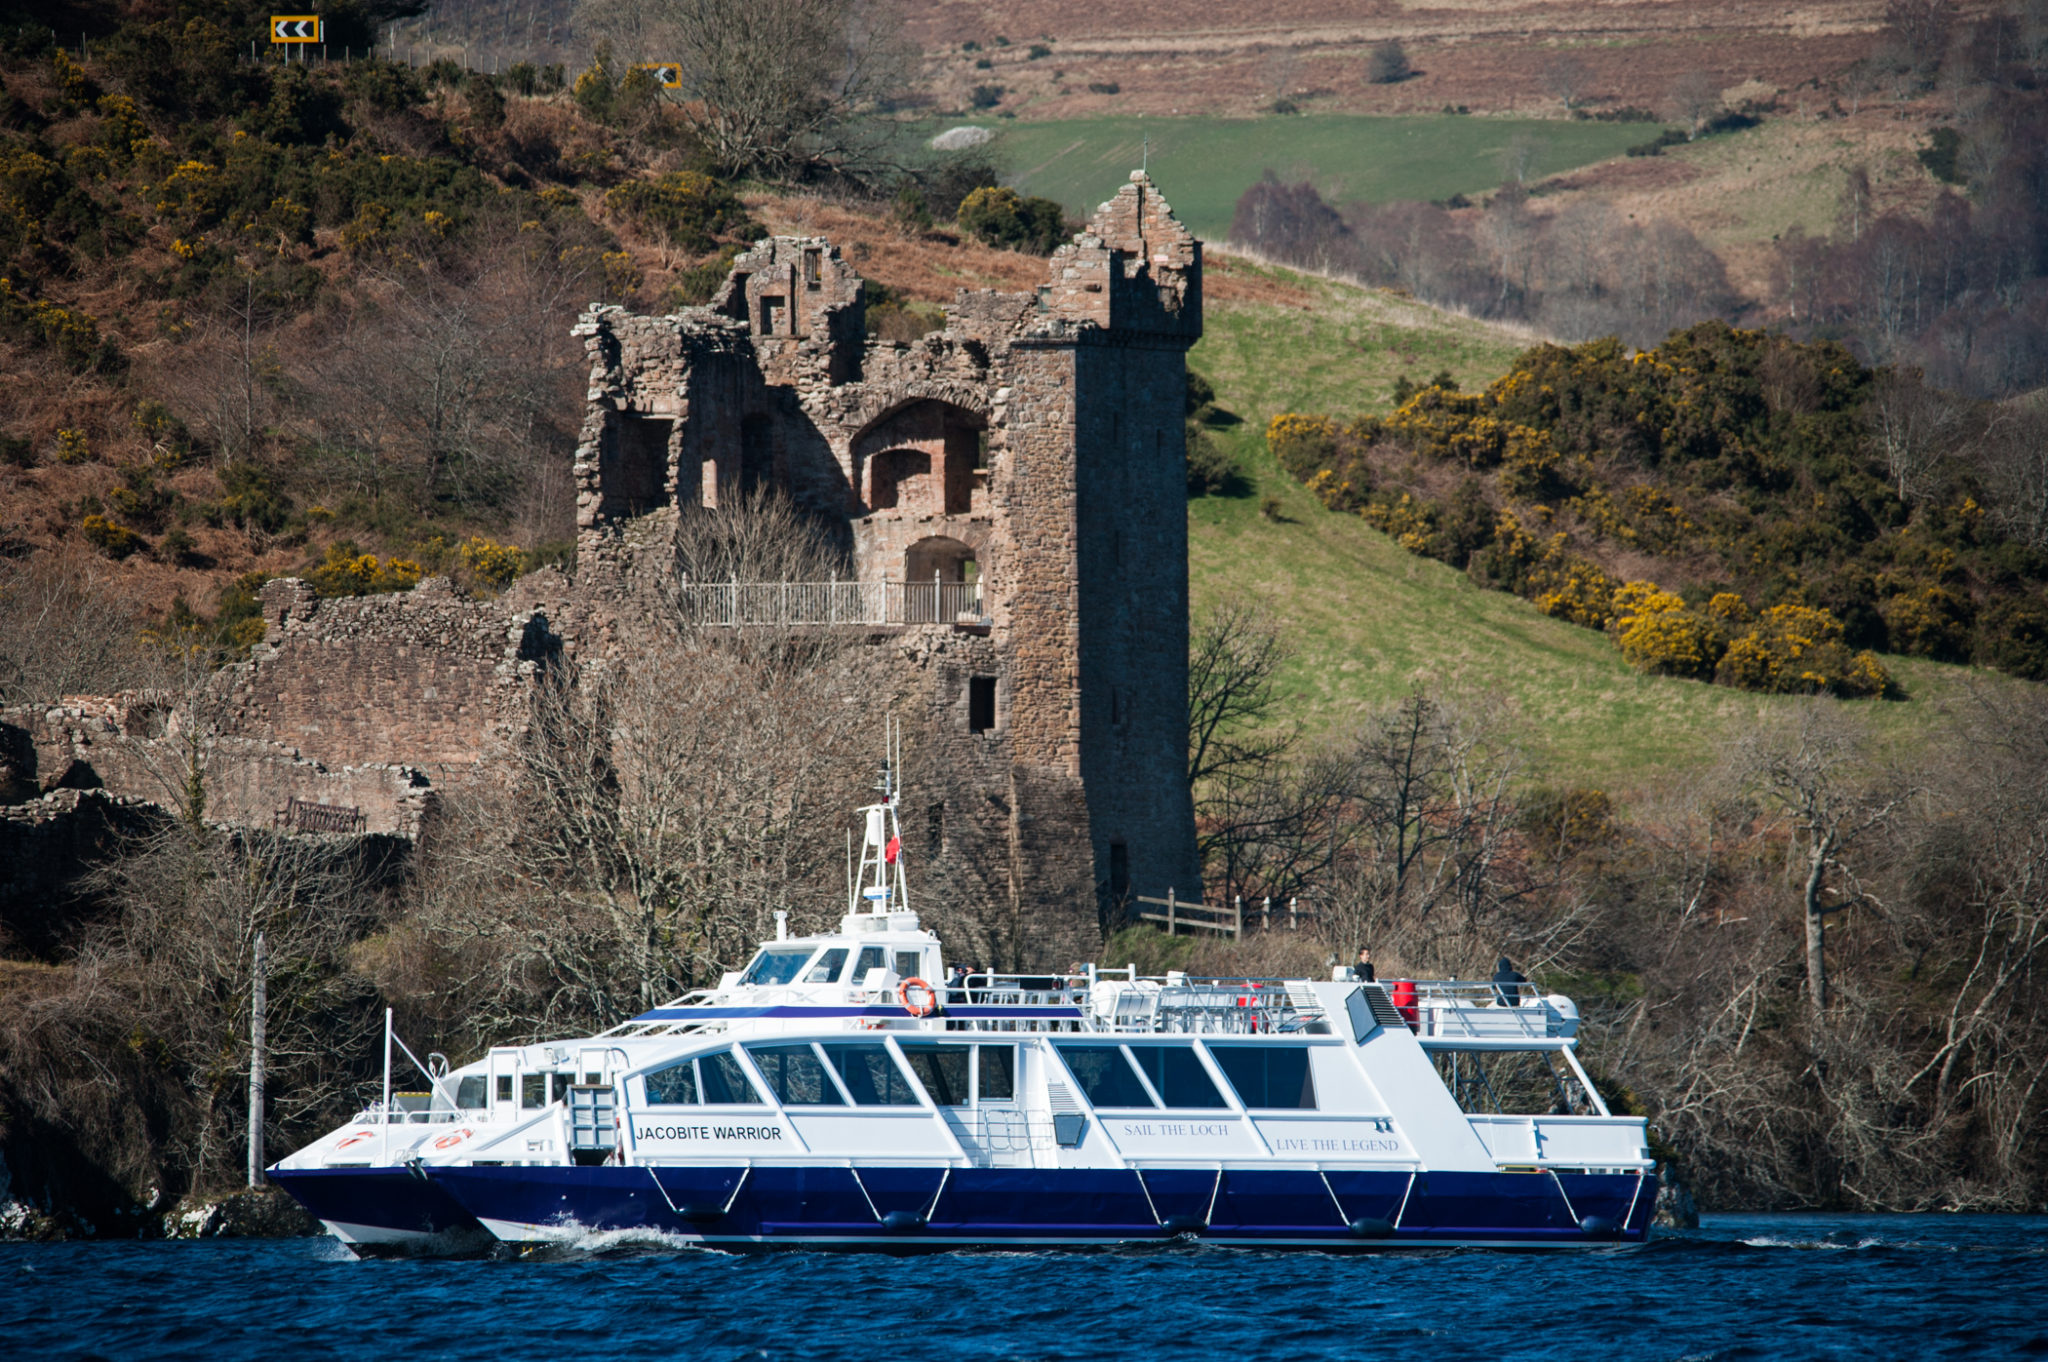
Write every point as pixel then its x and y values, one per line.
pixel 1204 164
pixel 1369 620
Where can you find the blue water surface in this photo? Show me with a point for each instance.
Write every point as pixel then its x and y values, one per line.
pixel 1742 1286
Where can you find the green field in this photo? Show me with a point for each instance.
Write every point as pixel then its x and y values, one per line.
pixel 1204 164
pixel 1369 620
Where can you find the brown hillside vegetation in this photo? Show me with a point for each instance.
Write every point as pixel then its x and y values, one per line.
pixel 1491 57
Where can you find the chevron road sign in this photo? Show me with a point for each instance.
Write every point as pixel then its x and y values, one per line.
pixel 295 28
pixel 667 74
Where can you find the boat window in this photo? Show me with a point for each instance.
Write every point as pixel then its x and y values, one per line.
pixel 561 1085
pixel 776 967
pixel 943 1071
pixel 470 1093
pixel 1105 1075
pixel 533 1091
pixel 996 1079
pixel 1271 1076
pixel 906 964
pixel 504 1087
pixel 871 957
pixel 795 1076
pixel 724 1081
pixel 1177 1075
pixel 827 969
pixel 871 1077
pixel 674 1086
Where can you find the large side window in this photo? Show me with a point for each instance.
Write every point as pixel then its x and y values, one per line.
pixel 795 1075
pixel 533 1091
pixel 1105 1075
pixel 996 1078
pixel 906 964
pixel 1271 1076
pixel 674 1086
pixel 826 971
pixel 1177 1075
pixel 776 966
pixel 943 1071
pixel 469 1093
pixel 724 1081
pixel 870 1076
pixel 870 958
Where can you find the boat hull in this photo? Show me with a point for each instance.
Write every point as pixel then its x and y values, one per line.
pixel 385 1212
pixel 934 1208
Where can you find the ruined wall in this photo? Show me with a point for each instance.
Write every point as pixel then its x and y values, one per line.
pixel 427 678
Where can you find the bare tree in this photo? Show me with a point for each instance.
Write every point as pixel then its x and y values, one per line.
pixel 1916 428
pixel 1816 779
pixel 64 630
pixel 1235 657
pixel 1568 78
pixel 192 901
pixel 1696 98
pixel 664 802
pixel 774 85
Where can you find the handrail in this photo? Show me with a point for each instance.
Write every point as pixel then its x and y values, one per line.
pixel 727 604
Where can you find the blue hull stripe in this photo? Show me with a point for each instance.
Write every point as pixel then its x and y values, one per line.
pixel 995 1205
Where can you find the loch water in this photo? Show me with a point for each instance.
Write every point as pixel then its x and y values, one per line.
pixel 1740 1287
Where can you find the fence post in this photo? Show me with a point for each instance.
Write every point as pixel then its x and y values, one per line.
pixel 938 617
pixel 1266 914
pixel 1169 910
pixel 1237 917
pixel 1293 920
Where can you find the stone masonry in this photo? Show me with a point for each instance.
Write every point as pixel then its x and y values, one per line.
pixel 1032 446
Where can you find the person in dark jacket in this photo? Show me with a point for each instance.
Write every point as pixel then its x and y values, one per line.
pixel 1363 970
pixel 1508 985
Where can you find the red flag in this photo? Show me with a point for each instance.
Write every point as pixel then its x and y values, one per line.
pixel 893 850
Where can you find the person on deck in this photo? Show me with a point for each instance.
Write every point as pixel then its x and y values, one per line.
pixel 1363 970
pixel 1508 984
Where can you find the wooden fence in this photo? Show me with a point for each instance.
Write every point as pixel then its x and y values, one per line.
pixel 1230 919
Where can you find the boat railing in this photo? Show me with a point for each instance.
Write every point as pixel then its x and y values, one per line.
pixel 1479 1009
pixel 1181 1004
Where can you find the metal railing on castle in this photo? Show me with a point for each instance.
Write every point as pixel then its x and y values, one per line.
pixel 827 603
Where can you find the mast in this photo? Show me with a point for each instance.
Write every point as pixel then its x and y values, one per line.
pixel 879 882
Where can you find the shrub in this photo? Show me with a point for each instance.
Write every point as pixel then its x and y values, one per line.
pixel 985 96
pixel 72 447
pixel 1036 51
pixel 2014 637
pixel 1211 471
pixel 1388 64
pixel 492 564
pixel 700 283
pixel 1798 650
pixel 486 102
pixel 17 452
pixel 1931 622
pixel 1104 87
pixel 689 210
pixel 1001 217
pixel 1269 508
pixel 115 540
pixel 1656 633
pixel 345 572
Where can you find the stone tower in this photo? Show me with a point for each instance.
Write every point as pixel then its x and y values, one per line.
pixel 1012 489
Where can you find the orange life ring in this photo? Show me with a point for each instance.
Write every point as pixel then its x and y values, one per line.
pixel 453 1138
pixel 931 995
pixel 353 1140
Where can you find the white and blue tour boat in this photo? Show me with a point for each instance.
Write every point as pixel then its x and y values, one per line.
pixel 842 1091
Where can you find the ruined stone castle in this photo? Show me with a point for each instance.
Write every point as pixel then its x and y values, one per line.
pixel 1011 490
